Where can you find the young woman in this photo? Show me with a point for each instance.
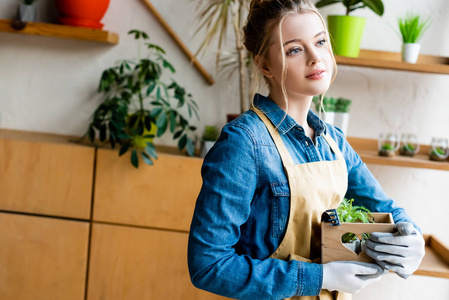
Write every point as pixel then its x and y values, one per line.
pixel 277 168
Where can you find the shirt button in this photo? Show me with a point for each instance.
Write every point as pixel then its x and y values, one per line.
pixel 307 143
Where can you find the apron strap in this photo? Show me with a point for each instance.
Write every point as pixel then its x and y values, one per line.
pixel 333 146
pixel 285 156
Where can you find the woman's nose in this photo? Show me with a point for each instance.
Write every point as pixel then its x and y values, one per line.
pixel 313 57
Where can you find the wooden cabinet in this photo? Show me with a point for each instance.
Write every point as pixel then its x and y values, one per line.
pixel 140 263
pixel 160 196
pixel 46 178
pixel 42 258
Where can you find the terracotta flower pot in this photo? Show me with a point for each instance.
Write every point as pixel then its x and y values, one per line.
pixel 84 13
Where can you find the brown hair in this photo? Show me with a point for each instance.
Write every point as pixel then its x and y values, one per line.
pixel 266 16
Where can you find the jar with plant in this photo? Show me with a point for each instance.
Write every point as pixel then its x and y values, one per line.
pixel 209 137
pixel 412 27
pixel 388 144
pixel 346 31
pixel 140 105
pixel 409 145
pixel 439 149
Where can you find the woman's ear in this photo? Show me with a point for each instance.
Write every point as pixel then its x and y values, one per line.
pixel 263 67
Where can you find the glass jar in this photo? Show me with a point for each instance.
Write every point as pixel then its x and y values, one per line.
pixel 439 149
pixel 388 144
pixel 409 144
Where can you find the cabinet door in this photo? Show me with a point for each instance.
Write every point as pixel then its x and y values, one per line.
pixel 42 258
pixel 46 178
pixel 162 195
pixel 136 263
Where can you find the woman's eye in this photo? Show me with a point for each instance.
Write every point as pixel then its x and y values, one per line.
pixel 293 51
pixel 321 42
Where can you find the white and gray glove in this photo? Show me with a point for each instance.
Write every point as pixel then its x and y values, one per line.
pixel 350 276
pixel 400 252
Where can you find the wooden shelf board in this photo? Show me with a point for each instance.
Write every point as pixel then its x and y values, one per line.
pixel 436 261
pixel 367 149
pixel 62 31
pixel 392 61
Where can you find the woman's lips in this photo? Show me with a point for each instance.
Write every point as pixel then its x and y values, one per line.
pixel 317 74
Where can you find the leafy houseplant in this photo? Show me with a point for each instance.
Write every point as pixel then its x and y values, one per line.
pixel 346 31
pixel 215 16
pixel 210 136
pixel 348 213
pixel 337 111
pixel 412 28
pixel 138 106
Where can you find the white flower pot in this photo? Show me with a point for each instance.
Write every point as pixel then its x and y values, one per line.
pixel 27 13
pixel 328 117
pixel 410 52
pixel 206 147
pixel 341 120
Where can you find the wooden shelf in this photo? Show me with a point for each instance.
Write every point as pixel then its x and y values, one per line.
pixel 392 61
pixel 436 261
pixel 61 31
pixel 367 149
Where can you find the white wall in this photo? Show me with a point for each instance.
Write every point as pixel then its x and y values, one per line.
pixel 49 85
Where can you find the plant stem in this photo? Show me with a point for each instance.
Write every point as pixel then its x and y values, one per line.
pixel 241 60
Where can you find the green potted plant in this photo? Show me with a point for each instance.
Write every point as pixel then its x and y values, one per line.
pixel 138 105
pixel 328 106
pixel 27 11
pixel 347 31
pixel 209 137
pixel 388 144
pixel 341 118
pixel 347 213
pixel 412 28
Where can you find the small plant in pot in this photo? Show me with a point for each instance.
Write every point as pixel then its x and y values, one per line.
pixel 27 11
pixel 347 31
pixel 409 145
pixel 138 106
pixel 348 213
pixel 412 28
pixel 326 104
pixel 439 150
pixel 210 136
pixel 388 144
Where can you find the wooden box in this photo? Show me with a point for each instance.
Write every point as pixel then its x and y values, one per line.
pixel 332 248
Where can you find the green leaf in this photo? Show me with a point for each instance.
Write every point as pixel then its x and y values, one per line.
pixel 146 158
pixel 161 124
pixel 155 112
pixel 151 88
pixel 190 147
pixel 103 131
pixel 375 5
pixel 323 3
pixel 148 123
pixel 182 142
pixel 172 122
pixel 168 65
pixel 150 150
pixel 134 159
pixel 177 134
pixel 124 149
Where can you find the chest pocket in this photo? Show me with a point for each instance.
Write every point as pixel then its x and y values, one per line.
pixel 280 207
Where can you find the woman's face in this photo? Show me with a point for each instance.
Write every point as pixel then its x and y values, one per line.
pixel 308 61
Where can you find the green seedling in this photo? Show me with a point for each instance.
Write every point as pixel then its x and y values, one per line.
pixel 347 213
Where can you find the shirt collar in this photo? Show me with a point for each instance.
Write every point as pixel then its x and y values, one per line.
pixel 276 115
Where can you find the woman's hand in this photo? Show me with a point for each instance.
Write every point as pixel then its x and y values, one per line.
pixel 350 276
pixel 400 252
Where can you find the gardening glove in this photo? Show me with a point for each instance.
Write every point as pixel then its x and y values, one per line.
pixel 400 252
pixel 350 276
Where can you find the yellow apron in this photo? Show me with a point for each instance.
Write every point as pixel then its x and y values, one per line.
pixel 314 187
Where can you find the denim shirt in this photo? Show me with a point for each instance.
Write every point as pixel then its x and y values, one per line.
pixel 243 206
